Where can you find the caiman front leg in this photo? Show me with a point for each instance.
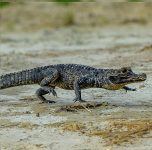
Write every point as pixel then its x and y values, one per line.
pixel 77 91
pixel 50 75
pixel 82 82
pixel 129 89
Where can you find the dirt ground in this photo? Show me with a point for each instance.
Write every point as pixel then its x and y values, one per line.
pixel 114 120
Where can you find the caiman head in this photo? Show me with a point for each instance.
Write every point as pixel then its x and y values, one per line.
pixel 120 77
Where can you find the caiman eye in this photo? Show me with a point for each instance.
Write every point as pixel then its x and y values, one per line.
pixel 124 70
pixel 122 78
pixel 112 78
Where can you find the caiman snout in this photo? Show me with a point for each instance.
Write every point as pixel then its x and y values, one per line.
pixel 143 77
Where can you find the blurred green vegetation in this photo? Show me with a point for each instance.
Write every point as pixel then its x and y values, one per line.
pixel 69 19
pixel 66 2
pixel 4 4
pixel 135 1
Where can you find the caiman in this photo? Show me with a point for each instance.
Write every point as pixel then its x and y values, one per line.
pixel 71 77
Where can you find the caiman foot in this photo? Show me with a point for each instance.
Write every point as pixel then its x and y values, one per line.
pixel 80 100
pixel 47 101
pixel 129 89
pixel 42 91
pixel 54 93
pixel 49 90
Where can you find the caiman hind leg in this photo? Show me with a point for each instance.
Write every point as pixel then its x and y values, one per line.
pixel 53 91
pixel 78 84
pixel 43 91
pixel 50 75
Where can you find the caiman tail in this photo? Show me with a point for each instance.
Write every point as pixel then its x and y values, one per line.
pixel 19 78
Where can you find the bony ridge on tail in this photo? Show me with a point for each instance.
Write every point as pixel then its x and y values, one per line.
pixel 71 77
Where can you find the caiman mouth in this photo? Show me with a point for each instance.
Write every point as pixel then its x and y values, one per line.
pixel 136 78
pixel 132 78
pixel 121 77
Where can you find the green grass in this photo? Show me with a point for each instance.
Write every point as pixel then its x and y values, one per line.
pixel 4 4
pixel 68 19
pixel 66 2
pixel 135 0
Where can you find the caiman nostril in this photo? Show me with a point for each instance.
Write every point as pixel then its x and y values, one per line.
pixel 143 76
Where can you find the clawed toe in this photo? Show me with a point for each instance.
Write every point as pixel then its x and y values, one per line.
pixel 80 100
pixel 54 93
pixel 50 102
pixel 129 89
pixel 134 89
pixel 47 101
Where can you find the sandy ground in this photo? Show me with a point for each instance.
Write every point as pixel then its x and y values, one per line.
pixel 123 122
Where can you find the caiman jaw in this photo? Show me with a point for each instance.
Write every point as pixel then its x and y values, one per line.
pixel 142 77
pixel 120 80
pixel 137 78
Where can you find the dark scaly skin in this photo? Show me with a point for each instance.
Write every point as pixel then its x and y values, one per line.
pixel 71 77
